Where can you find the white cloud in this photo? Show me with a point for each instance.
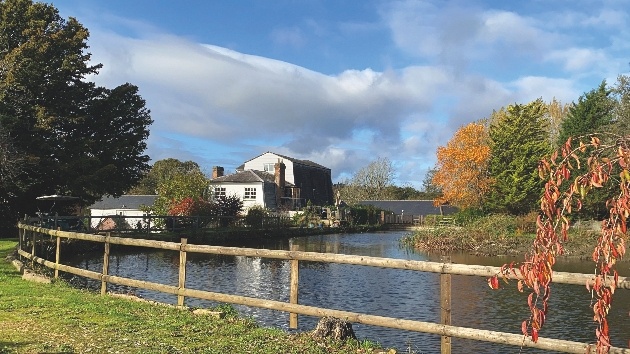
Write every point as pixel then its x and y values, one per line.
pixel 246 104
pixel 578 59
pixel 533 87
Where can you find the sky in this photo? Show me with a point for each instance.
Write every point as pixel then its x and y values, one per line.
pixel 342 82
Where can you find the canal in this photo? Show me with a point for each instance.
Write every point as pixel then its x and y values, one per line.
pixel 385 292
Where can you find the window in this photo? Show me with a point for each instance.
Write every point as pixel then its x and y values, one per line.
pixel 250 193
pixel 269 167
pixel 219 192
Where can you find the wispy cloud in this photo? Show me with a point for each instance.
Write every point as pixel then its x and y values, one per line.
pixel 449 63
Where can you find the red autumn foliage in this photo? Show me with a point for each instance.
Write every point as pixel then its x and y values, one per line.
pixel 607 163
pixel 191 207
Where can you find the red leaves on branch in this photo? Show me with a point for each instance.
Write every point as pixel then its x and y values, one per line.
pixel 191 207
pixel 493 282
pixel 562 195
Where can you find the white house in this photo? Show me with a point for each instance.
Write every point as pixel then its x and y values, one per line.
pixel 126 205
pixel 251 186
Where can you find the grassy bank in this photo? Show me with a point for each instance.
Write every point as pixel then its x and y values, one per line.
pixel 496 235
pixel 55 318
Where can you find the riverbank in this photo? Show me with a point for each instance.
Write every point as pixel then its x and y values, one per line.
pixel 481 243
pixel 213 236
pixel 56 318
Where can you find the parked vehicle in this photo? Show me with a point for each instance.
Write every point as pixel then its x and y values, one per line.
pixel 54 213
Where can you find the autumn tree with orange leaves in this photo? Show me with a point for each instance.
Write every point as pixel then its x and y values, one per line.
pixel 461 170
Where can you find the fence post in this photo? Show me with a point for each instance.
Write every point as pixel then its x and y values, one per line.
pixel 293 297
pixel 21 233
pixel 445 304
pixel 33 237
pixel 105 265
pixel 57 256
pixel 182 271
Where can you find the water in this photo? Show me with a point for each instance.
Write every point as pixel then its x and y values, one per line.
pixel 384 292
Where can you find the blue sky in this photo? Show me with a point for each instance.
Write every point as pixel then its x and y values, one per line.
pixel 341 82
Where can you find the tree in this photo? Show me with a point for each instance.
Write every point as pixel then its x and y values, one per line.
pixel 427 183
pixel 370 182
pixel 461 170
pixel 11 163
pixel 11 166
pixel 229 205
pixel 517 142
pixel 556 114
pixel 178 187
pixel 608 163
pixel 77 138
pixel 621 111
pixel 592 113
pixel 405 193
pixel 162 171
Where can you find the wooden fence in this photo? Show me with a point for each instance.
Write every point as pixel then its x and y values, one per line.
pixel 31 235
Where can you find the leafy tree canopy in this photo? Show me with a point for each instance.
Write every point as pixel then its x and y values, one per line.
pixel 75 137
pixel 370 182
pixel 428 186
pixel 162 171
pixel 593 113
pixel 462 165
pixel 179 186
pixel 518 140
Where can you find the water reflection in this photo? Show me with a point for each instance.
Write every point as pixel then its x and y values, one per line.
pixel 385 292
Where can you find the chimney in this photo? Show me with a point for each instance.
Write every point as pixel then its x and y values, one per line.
pixel 217 171
pixel 279 168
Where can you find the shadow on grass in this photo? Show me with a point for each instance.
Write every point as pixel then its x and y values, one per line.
pixel 12 347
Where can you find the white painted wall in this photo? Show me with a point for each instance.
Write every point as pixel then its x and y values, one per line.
pixel 259 162
pixel 238 189
pixel 100 214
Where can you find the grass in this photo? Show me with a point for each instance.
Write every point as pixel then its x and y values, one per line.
pixel 56 318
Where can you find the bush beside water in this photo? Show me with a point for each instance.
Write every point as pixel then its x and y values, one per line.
pixel 495 234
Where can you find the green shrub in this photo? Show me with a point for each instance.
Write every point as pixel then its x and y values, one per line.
pixel 255 216
pixel 467 216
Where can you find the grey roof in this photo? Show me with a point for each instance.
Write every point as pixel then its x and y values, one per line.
pixel 248 176
pixel 294 160
pixel 124 202
pixel 411 207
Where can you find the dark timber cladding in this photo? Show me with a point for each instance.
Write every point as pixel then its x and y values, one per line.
pixel 314 181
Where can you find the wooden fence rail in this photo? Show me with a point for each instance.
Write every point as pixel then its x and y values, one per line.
pixel 445 269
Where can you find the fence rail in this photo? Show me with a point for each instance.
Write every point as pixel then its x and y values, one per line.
pixel 31 234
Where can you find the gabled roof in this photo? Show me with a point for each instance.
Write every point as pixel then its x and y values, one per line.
pixel 410 207
pixel 248 176
pixel 294 160
pixel 124 202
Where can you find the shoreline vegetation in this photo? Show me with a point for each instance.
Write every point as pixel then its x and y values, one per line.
pixel 57 318
pixel 499 235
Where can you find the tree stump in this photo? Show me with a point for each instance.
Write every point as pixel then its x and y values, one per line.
pixel 330 327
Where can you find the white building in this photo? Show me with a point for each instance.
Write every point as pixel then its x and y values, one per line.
pixel 311 181
pixel 251 186
pixel 103 212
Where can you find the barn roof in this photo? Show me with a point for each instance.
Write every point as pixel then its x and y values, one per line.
pixel 124 202
pixel 411 207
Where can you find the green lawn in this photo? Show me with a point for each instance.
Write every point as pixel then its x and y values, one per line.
pixel 56 318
